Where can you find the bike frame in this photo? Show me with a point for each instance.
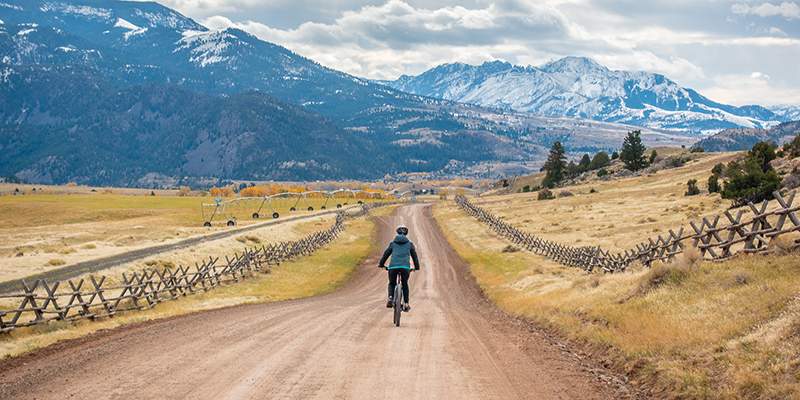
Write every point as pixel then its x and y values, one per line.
pixel 398 300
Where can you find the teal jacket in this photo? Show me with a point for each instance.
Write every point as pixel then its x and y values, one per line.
pixel 401 249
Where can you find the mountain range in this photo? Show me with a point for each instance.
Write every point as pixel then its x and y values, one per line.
pixel 743 139
pixel 580 87
pixel 105 92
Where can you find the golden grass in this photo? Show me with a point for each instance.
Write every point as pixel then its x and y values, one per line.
pixel 84 227
pixel 687 329
pixel 324 271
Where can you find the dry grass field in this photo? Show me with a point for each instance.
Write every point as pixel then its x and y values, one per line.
pixel 42 232
pixel 691 329
pixel 103 225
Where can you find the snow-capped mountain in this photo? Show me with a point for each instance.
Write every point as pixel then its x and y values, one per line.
pixel 580 87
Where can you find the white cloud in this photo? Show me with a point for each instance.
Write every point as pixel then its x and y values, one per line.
pixel 740 90
pixel 787 10
pixel 383 42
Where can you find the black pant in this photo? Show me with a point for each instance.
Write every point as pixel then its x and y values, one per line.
pixel 404 273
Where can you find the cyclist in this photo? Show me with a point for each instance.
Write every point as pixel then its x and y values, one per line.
pixel 401 249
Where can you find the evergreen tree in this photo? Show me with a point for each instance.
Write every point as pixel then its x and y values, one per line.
pixel 633 152
pixel 600 160
pixel 583 166
pixel 572 169
pixel 754 181
pixel 555 166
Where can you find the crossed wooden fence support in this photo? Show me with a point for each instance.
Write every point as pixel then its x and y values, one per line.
pixel 42 302
pixel 716 242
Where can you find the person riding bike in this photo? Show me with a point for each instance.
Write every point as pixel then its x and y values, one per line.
pixel 401 249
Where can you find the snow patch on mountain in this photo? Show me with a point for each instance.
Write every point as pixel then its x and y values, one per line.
pixel 121 23
pixel 136 32
pixel 207 48
pixel 85 11
pixel 11 6
pixel 168 20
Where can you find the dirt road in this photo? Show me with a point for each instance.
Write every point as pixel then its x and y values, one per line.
pixel 339 345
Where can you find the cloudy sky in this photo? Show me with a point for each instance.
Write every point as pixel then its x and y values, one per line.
pixel 734 52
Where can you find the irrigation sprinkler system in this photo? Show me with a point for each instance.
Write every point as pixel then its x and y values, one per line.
pixel 225 211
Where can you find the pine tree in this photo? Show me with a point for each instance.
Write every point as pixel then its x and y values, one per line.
pixel 754 181
pixel 555 166
pixel 583 165
pixel 633 152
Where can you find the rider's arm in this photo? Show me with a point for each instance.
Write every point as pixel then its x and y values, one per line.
pixel 414 257
pixel 386 255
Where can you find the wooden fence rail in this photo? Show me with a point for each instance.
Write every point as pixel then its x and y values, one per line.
pixel 716 241
pixel 42 302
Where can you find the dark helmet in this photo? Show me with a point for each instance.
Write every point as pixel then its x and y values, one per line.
pixel 402 230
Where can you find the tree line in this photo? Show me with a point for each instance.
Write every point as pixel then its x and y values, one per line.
pixel 557 169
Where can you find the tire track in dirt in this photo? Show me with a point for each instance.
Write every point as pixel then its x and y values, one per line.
pixel 337 345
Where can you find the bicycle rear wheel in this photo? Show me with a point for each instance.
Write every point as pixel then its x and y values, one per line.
pixel 398 304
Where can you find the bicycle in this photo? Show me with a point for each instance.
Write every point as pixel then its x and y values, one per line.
pixel 397 299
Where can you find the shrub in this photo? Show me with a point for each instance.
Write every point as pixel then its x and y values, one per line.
pixel 697 150
pixel 545 194
pixel 526 188
pixel 602 172
pixel 592 190
pixel 791 181
pixel 663 274
pixel 56 262
pixel 691 188
pixel 675 162
pixel 713 184
pixel 565 193
pixel 742 277
pixel 510 249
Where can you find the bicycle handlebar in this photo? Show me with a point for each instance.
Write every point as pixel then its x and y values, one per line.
pixel 387 268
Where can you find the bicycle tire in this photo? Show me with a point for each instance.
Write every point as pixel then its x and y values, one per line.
pixel 398 304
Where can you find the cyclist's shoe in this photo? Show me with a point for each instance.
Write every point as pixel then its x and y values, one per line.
pixel 389 302
pixel 406 308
